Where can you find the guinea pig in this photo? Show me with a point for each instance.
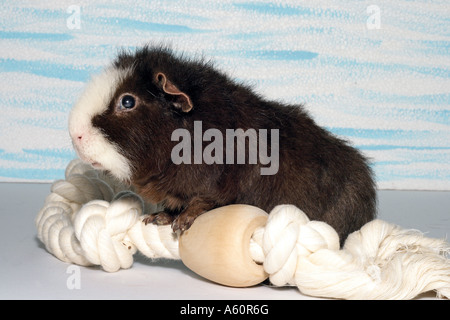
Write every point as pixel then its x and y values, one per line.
pixel 161 122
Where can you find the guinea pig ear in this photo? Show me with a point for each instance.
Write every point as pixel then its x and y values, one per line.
pixel 182 100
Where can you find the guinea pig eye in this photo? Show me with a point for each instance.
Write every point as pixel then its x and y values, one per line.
pixel 127 102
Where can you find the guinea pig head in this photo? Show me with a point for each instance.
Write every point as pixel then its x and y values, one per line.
pixel 122 122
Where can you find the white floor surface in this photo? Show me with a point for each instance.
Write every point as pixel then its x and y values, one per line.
pixel 28 271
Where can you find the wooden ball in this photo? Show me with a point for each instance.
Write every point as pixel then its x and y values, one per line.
pixel 217 245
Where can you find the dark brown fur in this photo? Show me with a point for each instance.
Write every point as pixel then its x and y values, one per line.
pixel 318 172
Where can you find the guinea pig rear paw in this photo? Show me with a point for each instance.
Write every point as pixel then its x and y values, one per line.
pixel 160 218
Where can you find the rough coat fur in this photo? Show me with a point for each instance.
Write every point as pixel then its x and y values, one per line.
pixel 318 172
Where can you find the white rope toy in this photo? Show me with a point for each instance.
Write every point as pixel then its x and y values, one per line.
pixel 90 219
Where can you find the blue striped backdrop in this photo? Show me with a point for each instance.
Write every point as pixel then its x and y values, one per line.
pixel 379 76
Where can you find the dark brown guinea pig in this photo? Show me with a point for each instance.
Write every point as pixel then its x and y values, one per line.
pixel 184 134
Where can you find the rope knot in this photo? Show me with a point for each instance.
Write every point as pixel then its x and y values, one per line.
pixel 102 227
pixel 289 235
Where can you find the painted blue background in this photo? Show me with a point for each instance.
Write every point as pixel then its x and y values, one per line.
pixel 385 87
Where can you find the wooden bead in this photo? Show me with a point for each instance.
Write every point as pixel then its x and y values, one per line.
pixel 217 245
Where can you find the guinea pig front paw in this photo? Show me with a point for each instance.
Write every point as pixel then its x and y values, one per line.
pixel 160 218
pixel 183 222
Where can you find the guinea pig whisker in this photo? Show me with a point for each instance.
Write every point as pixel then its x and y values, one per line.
pixel 151 93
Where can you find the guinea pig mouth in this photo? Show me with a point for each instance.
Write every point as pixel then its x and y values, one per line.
pixel 96 165
pixel 93 163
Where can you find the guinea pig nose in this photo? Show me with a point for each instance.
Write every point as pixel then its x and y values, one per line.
pixel 77 138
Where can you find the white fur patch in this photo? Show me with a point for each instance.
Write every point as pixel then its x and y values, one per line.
pixel 93 147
